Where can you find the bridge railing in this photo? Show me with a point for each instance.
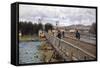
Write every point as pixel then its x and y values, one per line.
pixel 69 51
pixel 85 35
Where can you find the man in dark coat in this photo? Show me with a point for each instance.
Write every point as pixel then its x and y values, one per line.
pixel 77 35
pixel 59 34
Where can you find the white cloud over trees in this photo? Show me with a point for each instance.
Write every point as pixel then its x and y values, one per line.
pixel 65 15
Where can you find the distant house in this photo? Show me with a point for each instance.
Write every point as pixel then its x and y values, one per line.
pixel 72 30
pixel 81 28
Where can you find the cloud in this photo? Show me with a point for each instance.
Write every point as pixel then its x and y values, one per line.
pixel 65 15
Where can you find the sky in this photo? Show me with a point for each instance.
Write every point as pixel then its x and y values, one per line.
pixel 65 16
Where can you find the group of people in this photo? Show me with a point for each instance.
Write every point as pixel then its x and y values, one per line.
pixel 62 34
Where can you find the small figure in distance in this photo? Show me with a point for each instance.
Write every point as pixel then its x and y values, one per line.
pixel 59 34
pixel 77 35
pixel 63 34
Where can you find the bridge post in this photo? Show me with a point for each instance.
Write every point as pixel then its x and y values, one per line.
pixel 70 55
pixel 85 57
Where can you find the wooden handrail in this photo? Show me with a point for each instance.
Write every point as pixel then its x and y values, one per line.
pixel 70 45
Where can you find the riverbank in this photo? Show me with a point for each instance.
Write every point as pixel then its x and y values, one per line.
pixel 36 51
pixel 28 38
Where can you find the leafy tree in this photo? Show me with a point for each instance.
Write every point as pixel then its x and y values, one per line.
pixel 93 28
pixel 48 26
pixel 40 26
pixel 28 28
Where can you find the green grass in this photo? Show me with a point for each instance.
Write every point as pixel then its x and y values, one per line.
pixel 28 37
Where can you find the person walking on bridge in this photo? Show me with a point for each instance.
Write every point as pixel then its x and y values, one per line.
pixel 77 35
pixel 63 34
pixel 59 34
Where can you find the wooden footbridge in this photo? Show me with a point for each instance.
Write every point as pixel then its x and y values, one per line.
pixel 72 50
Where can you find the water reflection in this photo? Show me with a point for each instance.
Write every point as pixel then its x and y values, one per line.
pixel 29 53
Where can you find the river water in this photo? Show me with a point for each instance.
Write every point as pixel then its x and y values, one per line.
pixel 29 52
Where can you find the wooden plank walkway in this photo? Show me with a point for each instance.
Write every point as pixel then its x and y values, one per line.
pixel 91 48
pixel 69 51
